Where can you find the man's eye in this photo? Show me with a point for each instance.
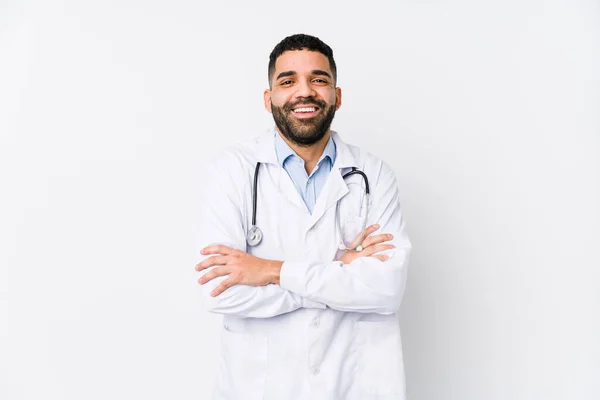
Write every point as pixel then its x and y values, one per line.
pixel 285 83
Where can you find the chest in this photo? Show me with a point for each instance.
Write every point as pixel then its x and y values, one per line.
pixel 290 231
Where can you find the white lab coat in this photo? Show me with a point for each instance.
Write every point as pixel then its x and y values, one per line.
pixel 329 331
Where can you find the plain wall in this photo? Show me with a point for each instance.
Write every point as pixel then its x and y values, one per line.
pixel 487 111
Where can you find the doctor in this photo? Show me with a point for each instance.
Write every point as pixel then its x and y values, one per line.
pixel 302 318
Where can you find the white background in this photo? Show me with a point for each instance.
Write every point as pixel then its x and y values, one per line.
pixel 487 111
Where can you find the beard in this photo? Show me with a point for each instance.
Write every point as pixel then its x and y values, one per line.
pixel 307 131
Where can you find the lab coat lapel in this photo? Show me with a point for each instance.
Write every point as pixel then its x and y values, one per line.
pixel 335 187
pixel 287 188
pixel 266 155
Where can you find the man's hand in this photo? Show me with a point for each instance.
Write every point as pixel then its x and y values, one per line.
pixel 371 245
pixel 242 268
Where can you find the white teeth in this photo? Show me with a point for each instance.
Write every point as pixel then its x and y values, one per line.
pixel 305 109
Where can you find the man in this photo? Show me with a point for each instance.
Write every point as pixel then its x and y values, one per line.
pixel 302 318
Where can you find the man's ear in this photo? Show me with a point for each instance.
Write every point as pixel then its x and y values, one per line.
pixel 338 98
pixel 267 100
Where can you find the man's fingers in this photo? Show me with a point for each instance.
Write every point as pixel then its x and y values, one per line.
pixel 355 241
pixel 218 249
pixel 370 229
pixel 227 283
pixel 377 248
pixel 376 239
pixel 212 261
pixel 214 273
pixel 381 257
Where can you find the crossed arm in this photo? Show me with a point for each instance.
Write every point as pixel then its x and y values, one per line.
pixel 241 268
pixel 237 283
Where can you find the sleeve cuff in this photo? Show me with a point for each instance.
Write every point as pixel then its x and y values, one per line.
pixel 293 277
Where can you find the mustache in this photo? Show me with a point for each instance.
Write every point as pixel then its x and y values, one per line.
pixel 305 101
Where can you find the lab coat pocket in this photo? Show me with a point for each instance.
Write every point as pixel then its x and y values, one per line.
pixel 380 368
pixel 243 366
pixel 351 227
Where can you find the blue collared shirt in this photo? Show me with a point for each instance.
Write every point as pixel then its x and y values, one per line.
pixel 309 187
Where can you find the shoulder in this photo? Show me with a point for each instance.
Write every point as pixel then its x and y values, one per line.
pixel 371 164
pixel 242 153
pixel 234 160
pixel 381 177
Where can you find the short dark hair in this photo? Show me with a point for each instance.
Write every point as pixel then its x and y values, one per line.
pixel 301 42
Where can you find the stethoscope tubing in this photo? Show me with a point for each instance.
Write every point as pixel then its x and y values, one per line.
pixel 357 171
pixel 254 235
pixel 254 195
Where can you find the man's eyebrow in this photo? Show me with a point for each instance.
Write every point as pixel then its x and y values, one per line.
pixel 285 73
pixel 321 72
pixel 314 72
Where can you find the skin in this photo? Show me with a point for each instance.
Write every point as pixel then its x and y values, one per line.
pixel 300 75
pixel 301 78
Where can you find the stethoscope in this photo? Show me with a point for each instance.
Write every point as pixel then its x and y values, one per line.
pixel 255 235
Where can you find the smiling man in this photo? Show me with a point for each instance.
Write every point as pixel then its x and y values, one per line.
pixel 303 117
pixel 304 249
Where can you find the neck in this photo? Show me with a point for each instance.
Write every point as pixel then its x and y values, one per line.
pixel 309 154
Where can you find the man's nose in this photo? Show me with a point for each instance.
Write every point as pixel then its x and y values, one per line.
pixel 305 88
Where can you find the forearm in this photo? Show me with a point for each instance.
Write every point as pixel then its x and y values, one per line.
pixel 366 285
pixel 253 301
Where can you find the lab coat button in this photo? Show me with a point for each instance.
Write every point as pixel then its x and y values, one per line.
pixel 315 370
pixel 226 327
pixel 316 323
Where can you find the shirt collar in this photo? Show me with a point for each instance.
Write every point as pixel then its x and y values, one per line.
pixel 284 151
pixel 344 154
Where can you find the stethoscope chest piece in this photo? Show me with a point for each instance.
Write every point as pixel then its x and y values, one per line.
pixel 254 236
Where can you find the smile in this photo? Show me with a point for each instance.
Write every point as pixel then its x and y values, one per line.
pixel 305 111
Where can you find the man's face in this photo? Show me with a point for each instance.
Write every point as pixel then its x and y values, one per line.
pixel 303 98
